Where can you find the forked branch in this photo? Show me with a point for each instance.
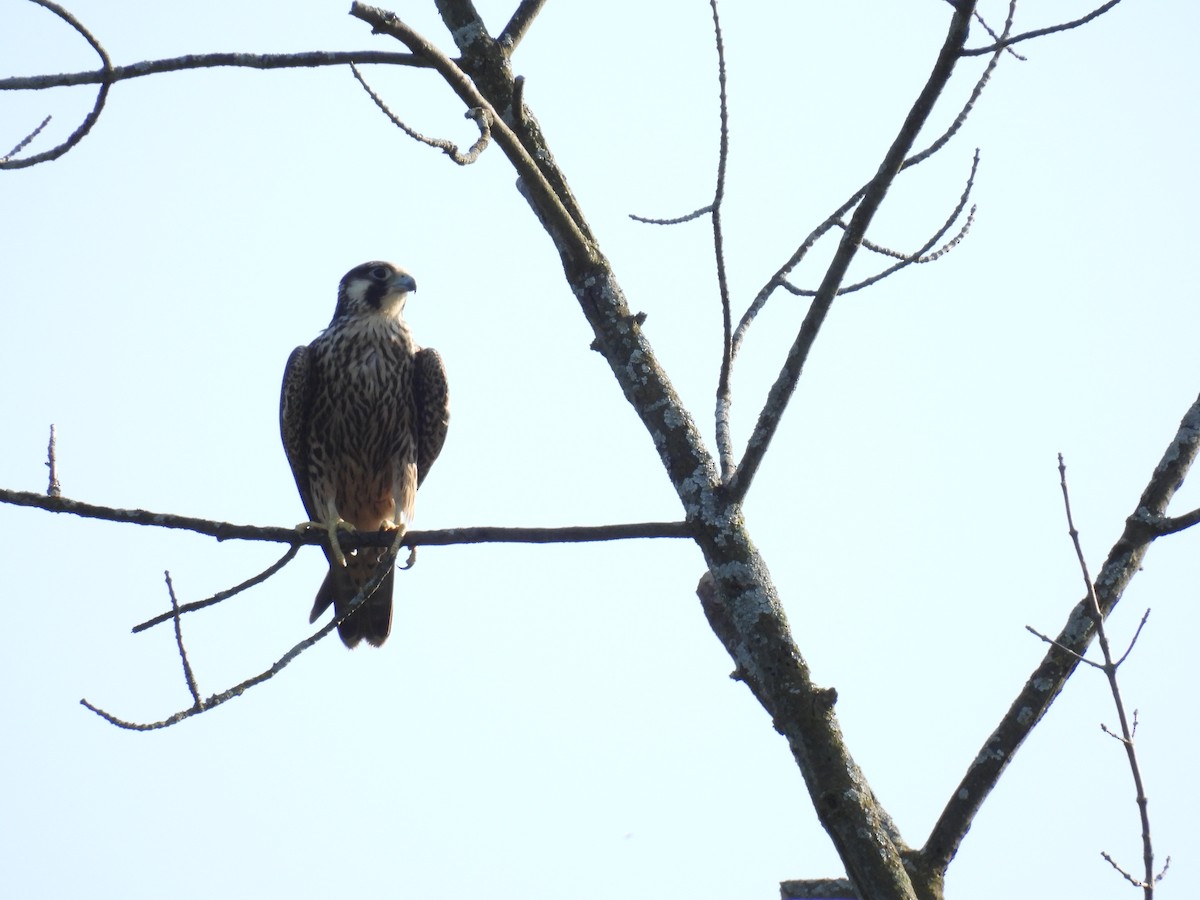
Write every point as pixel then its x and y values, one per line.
pixel 1047 680
pixel 1109 668
pixel 785 383
pixel 202 705
pixel 1006 42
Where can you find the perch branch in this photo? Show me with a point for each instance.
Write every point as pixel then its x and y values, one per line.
pixel 225 531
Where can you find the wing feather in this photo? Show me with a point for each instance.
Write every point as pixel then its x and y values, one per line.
pixel 432 397
pixel 295 411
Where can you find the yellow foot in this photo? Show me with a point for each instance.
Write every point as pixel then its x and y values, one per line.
pixel 398 542
pixel 331 529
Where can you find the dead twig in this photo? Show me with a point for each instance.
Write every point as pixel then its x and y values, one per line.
pixel 188 675
pixel 205 705
pixel 481 116
pixel 1005 43
pixel 89 120
pixel 26 141
pixel 922 255
pixel 1109 667
pixel 54 487
pixel 220 595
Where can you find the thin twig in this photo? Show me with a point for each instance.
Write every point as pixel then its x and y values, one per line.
pixel 481 117
pixel 922 255
pixel 702 211
pixel 202 706
pixel 1124 656
pixel 220 595
pixel 25 141
pixel 724 397
pixel 771 414
pixel 54 487
pixel 385 22
pixel 996 37
pixel 1046 681
pixel 1005 43
pixel 188 675
pixel 90 119
pixel 1079 657
pixel 779 279
pixel 1110 672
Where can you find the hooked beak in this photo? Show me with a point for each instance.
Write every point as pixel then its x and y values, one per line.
pixel 402 283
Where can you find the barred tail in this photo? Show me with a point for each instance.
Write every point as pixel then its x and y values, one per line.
pixel 372 621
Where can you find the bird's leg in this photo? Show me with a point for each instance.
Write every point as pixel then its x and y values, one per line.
pixel 398 542
pixel 331 529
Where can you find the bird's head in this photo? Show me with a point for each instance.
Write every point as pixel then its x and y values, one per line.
pixel 373 288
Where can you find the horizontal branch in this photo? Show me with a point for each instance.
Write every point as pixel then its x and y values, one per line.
pixel 226 531
pixel 306 60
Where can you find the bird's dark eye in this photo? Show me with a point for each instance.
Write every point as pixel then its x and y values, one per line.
pixel 380 273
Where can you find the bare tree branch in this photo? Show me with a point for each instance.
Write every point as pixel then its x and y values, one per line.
pixel 89 120
pixel 779 279
pixel 518 25
pixel 54 486
pixel 918 256
pixel 220 595
pixel 781 391
pixel 995 37
pixel 26 141
pixel 1005 43
pixel 188 675
pixel 1178 523
pixel 1110 671
pixel 481 116
pixel 724 394
pixel 202 706
pixel 385 22
pixel 1047 680
pixel 226 531
pixel 679 220
pixel 263 61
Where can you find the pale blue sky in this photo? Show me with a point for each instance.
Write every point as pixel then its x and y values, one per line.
pixel 551 722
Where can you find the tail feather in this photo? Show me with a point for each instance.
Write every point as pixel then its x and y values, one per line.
pixel 372 621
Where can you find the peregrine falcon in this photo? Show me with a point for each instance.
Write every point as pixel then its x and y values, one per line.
pixel 363 415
